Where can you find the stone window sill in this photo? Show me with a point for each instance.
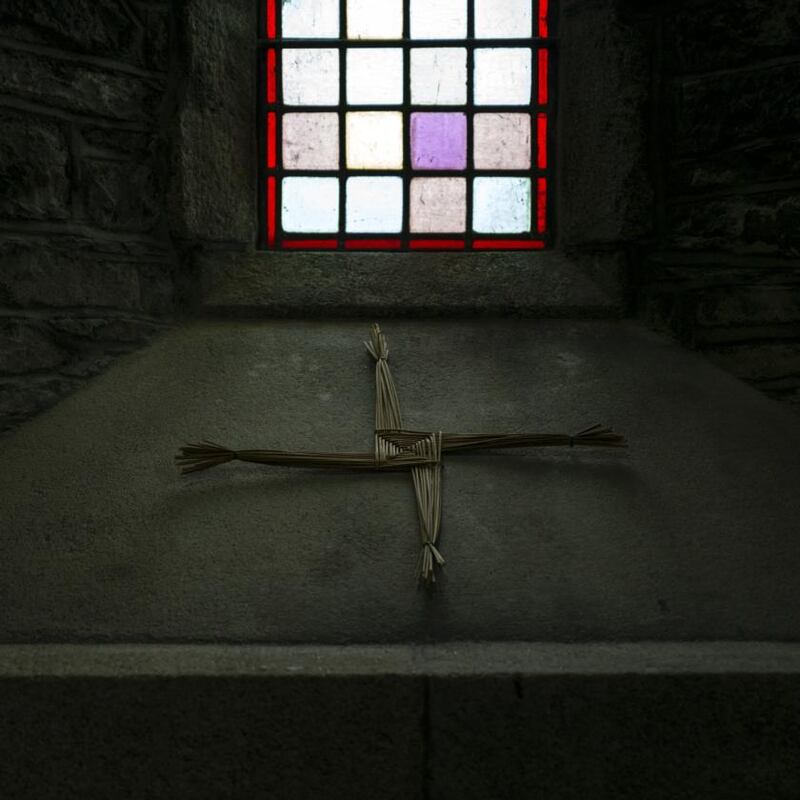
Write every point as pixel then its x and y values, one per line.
pixel 547 283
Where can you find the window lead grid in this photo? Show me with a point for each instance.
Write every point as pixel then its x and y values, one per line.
pixel 386 186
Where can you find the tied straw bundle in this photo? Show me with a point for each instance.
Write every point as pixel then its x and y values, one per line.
pixel 204 455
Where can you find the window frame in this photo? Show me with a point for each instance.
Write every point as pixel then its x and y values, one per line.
pixel 271 237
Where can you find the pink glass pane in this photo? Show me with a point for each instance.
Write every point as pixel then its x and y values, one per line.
pixel 311 141
pixel 438 140
pixel 502 141
pixel 438 205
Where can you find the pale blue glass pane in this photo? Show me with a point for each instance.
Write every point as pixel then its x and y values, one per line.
pixel 310 205
pixel 501 205
pixel 374 19
pixel 374 205
pixel 375 76
pixel 438 76
pixel 310 19
pixel 310 77
pixel 503 19
pixel 503 76
pixel 438 19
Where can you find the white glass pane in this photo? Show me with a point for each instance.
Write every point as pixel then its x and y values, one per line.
pixel 438 19
pixel 311 77
pixel 374 19
pixel 503 76
pixel 501 205
pixel 311 141
pixel 310 19
pixel 310 205
pixel 375 140
pixel 375 75
pixel 503 19
pixel 374 205
pixel 438 205
pixel 502 141
pixel 438 75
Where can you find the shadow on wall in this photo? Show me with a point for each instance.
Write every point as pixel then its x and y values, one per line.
pixel 87 266
pixel 724 274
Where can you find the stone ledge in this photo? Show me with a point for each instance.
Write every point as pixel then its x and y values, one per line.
pixel 399 284
pixel 455 659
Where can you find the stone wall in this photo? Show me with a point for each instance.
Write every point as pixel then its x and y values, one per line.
pixel 86 266
pixel 90 102
pixel 724 273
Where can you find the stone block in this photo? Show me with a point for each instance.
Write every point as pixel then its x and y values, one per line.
pixel 24 397
pixel 157 288
pixel 105 329
pixel 758 361
pixel 749 305
pixel 25 346
pixel 758 163
pixel 157 35
pixel 35 276
pixel 34 159
pixel 215 168
pixel 786 390
pixel 119 31
pixel 733 108
pixel 605 191
pixel 120 195
pixel 204 738
pixel 721 34
pixel 80 88
pixel 116 142
pixel 623 737
pixel 90 363
pixel 764 223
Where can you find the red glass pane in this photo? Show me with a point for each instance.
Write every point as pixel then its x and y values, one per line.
pixel 271 23
pixel 271 93
pixel 271 134
pixel 508 244
pixel 541 141
pixel 310 244
pixel 372 244
pixel 541 205
pixel 436 244
pixel 542 80
pixel 543 12
pixel 271 210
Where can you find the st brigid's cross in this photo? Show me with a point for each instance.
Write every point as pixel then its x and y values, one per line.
pixel 397 448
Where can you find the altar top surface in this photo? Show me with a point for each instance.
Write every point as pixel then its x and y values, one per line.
pixel 692 533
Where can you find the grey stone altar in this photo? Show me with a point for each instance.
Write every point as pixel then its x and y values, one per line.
pixel 288 598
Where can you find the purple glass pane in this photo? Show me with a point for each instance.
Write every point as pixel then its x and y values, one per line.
pixel 438 140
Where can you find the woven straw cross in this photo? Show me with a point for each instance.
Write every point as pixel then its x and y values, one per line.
pixel 397 448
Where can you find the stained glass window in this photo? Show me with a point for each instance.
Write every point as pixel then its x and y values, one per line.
pixel 406 124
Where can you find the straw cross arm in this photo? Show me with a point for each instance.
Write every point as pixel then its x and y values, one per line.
pixel 204 455
pixel 196 457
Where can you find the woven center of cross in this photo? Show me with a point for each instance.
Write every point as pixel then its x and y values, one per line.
pixel 397 448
